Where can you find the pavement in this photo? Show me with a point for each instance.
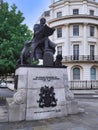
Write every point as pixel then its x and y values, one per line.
pixel 89 91
pixel 6 92
pixel 87 120
pixel 86 93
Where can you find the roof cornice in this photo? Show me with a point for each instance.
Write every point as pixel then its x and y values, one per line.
pixel 58 3
pixel 72 17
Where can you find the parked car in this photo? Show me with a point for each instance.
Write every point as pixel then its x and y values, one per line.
pixel 7 83
pixel 3 84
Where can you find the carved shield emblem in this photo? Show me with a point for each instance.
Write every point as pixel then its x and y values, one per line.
pixel 47 97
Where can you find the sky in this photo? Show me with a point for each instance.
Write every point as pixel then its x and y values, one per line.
pixel 31 9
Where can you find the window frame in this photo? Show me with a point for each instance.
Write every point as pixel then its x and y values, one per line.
pixel 92 30
pixel 59 50
pixel 75 30
pixel 92 52
pixel 93 73
pixel 75 11
pixel 76 76
pixel 59 14
pixel 76 52
pixel 91 12
pixel 59 32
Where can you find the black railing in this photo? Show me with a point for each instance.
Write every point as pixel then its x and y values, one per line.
pixel 78 85
pixel 87 58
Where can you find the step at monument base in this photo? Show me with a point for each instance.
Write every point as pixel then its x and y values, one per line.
pixel 3 114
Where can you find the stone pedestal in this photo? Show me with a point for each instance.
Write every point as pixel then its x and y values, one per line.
pixel 16 112
pixel 42 93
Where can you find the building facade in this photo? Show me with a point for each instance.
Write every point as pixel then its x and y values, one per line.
pixel 76 36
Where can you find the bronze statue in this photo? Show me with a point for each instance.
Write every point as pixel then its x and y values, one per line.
pixel 58 61
pixel 41 46
pixel 41 43
pixel 25 54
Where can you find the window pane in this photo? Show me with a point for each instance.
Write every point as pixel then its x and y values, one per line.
pixel 93 73
pixel 92 51
pixel 59 32
pixel 76 74
pixel 75 11
pixel 59 14
pixel 76 52
pixel 76 30
pixel 91 30
pixel 59 50
pixel 91 12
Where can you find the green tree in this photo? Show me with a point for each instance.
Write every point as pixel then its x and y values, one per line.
pixel 13 34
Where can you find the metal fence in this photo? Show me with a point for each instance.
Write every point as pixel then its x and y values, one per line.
pixel 92 84
pixel 81 58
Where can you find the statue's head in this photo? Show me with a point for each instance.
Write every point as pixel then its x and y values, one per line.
pixel 42 21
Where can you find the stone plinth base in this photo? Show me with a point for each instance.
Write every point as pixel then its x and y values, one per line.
pixel 42 93
pixel 16 112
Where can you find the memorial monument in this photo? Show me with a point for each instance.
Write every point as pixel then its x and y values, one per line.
pixel 42 91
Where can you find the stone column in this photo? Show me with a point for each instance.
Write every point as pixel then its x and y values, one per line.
pixel 85 45
pixel 97 41
pixel 66 43
pixel 84 11
pixel 67 8
pixel 52 9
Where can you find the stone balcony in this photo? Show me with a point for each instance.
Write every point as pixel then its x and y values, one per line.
pixel 80 58
pixel 83 84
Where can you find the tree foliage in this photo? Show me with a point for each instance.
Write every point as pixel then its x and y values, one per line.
pixel 13 34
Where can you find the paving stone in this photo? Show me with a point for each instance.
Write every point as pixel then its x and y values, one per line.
pixel 42 128
pixel 79 128
pixel 3 114
pixel 62 126
pixel 25 129
pixel 82 121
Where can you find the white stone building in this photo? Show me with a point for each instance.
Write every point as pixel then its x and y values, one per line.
pixel 76 36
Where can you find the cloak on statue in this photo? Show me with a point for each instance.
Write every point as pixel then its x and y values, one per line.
pixel 41 42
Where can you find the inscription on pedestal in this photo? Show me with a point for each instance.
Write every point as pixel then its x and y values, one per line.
pixel 55 110
pixel 46 78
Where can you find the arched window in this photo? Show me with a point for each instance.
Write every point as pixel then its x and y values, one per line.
pixel 93 73
pixel 76 73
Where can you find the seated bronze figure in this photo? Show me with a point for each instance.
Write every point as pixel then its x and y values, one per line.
pixel 41 47
pixel 41 43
